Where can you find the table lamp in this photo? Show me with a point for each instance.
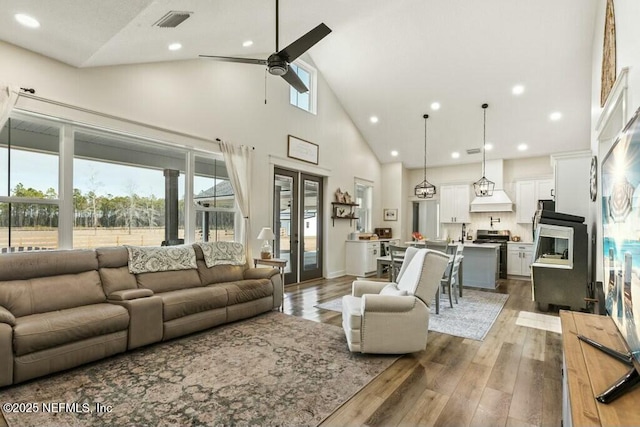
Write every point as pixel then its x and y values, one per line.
pixel 267 235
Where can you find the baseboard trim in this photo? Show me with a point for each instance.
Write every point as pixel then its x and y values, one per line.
pixel 336 274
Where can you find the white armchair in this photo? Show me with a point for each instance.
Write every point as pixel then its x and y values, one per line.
pixel 393 318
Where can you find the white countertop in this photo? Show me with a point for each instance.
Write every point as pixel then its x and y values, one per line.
pixel 520 243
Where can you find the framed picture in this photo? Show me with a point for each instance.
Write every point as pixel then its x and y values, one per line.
pixel 608 73
pixel 303 150
pixel 390 214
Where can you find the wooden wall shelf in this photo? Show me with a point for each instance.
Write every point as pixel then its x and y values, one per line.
pixel 335 215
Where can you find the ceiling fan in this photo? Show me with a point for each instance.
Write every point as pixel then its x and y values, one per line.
pixel 278 62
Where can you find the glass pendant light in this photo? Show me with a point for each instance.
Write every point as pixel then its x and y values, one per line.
pixel 425 190
pixel 483 187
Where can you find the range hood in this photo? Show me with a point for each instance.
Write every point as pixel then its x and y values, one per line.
pixel 499 201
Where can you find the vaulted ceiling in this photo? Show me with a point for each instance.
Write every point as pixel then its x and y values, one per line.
pixel 389 59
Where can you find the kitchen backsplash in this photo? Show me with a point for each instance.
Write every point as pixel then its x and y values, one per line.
pixel 482 221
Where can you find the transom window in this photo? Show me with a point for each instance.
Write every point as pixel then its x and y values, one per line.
pixel 307 100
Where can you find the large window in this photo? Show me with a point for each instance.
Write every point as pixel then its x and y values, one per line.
pixel 214 199
pixel 364 198
pixel 119 190
pixel 307 100
pixel 29 204
pixel 107 188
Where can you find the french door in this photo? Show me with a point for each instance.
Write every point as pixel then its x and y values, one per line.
pixel 298 223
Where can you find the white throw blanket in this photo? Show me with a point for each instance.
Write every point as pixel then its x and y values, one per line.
pixel 223 253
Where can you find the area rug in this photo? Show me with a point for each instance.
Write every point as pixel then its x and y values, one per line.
pixel 273 369
pixel 471 318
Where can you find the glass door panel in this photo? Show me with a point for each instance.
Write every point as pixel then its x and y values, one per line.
pixel 311 229
pixel 298 224
pixel 285 221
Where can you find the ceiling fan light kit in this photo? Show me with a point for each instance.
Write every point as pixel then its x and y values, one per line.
pixel 483 187
pixel 276 65
pixel 425 190
pixel 279 61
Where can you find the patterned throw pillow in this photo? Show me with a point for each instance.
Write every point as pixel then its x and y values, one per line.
pixel 223 253
pixel 164 258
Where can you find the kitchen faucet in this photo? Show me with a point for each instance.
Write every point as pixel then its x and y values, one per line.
pixel 493 220
pixel 463 233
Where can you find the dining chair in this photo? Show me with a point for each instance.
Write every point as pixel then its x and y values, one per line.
pixel 437 246
pixel 450 281
pixel 397 254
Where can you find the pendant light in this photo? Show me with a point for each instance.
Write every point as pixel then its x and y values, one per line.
pixel 483 187
pixel 425 190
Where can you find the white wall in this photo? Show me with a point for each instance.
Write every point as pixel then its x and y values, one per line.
pixel 627 13
pixel 392 197
pixel 211 100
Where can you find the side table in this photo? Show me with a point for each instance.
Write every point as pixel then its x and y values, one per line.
pixel 278 263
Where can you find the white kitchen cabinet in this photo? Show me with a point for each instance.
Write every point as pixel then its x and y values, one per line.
pixel 454 203
pixel 527 195
pixel 362 257
pixel 572 175
pixel 545 189
pixel 519 258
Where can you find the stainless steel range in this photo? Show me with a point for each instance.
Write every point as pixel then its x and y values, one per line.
pixel 496 236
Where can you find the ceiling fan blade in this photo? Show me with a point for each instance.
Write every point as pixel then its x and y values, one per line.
pixel 292 78
pixel 304 43
pixel 240 60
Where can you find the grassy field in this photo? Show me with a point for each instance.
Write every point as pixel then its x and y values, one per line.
pixel 90 238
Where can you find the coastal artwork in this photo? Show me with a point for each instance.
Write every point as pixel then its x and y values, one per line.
pixel 621 232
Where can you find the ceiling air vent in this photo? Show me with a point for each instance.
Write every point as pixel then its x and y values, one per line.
pixel 172 19
pixel 473 151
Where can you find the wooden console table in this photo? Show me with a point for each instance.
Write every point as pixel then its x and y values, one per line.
pixel 588 372
pixel 278 263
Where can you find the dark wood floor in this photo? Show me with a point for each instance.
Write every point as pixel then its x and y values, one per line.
pixel 512 378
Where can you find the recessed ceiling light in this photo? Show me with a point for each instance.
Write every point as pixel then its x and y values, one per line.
pixel 455 155
pixel 517 90
pixel 394 153
pixel 555 116
pixel 175 46
pixel 435 106
pixel 247 43
pixel 522 147
pixel 26 20
pixel 488 146
pixel 373 119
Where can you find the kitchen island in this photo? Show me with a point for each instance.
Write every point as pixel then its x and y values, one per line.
pixel 481 265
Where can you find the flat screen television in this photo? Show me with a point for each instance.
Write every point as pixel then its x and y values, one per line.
pixel 621 243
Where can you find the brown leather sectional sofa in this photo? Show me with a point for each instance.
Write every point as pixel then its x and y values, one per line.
pixel 60 309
